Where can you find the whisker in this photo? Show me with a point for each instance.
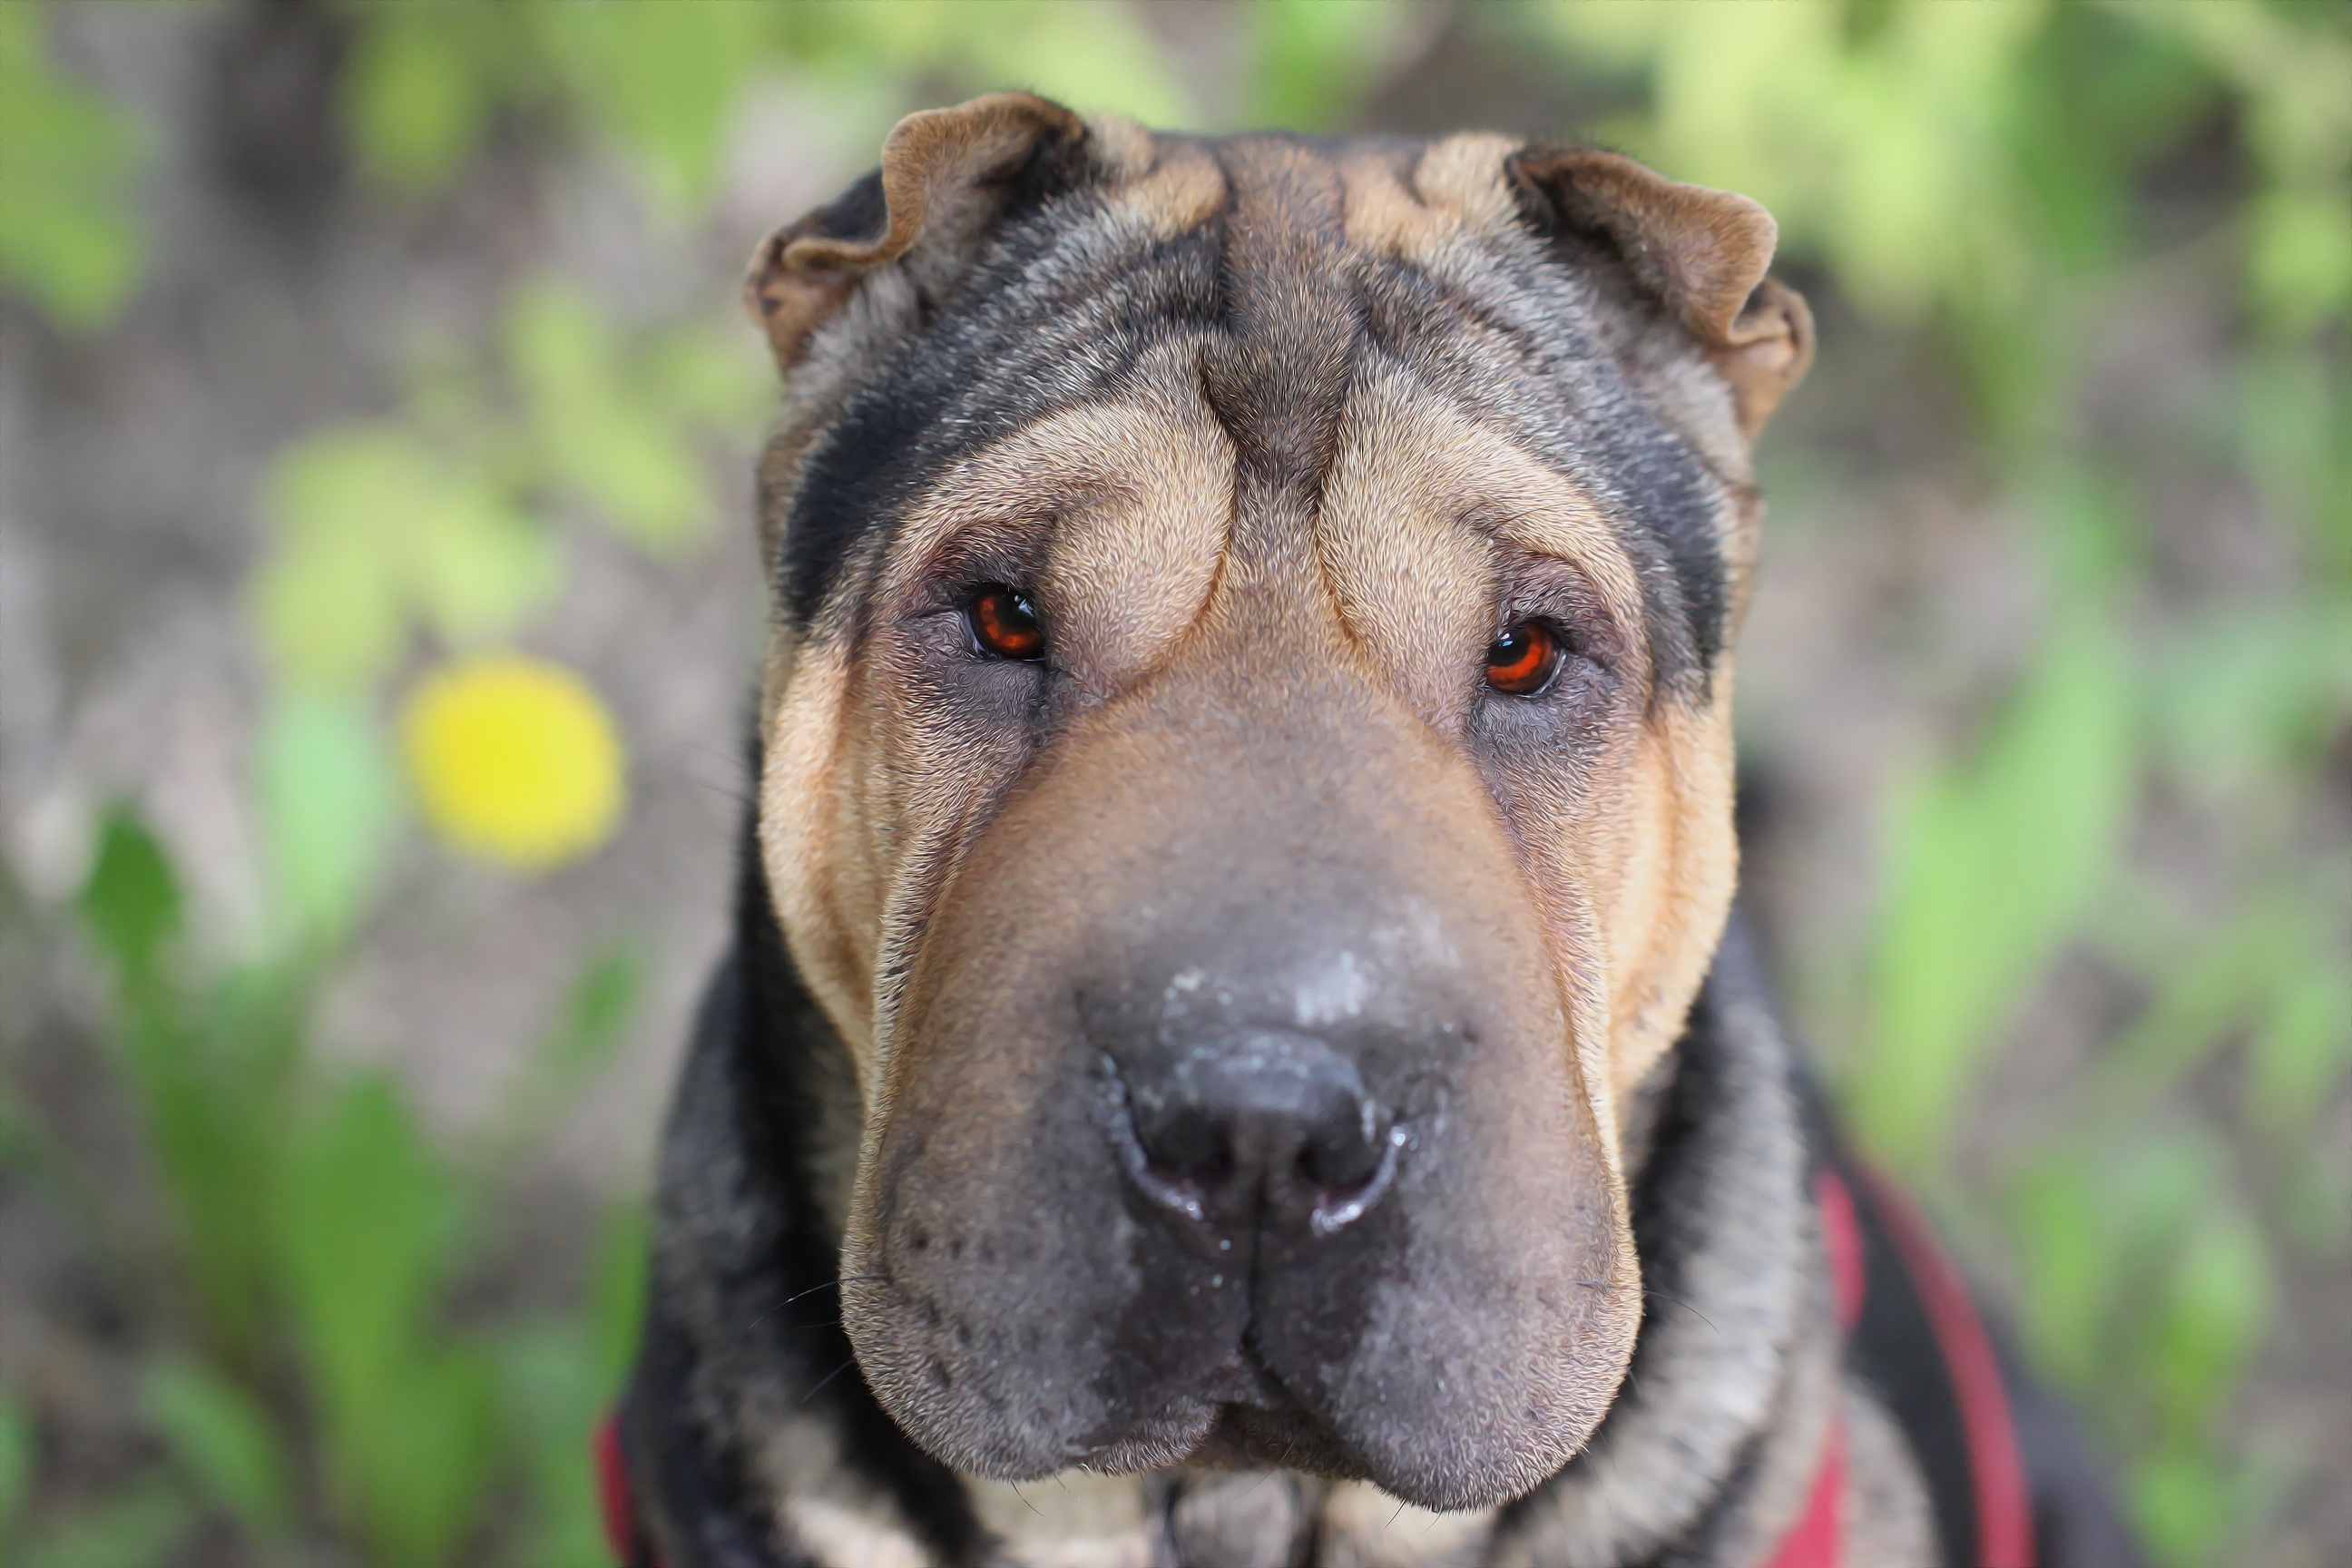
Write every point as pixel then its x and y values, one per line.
pixel 1654 1295
pixel 828 1377
pixel 834 1284
pixel 729 790
pixel 1024 1498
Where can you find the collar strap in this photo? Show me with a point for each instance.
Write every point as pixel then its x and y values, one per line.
pixel 2004 1520
pixel 617 1500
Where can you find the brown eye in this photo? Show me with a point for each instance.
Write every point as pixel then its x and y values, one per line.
pixel 1004 623
pixel 1522 661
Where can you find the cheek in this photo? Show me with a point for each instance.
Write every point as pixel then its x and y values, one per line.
pixel 812 838
pixel 1563 805
pixel 1665 896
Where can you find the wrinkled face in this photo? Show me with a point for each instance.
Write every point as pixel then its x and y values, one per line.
pixel 1247 772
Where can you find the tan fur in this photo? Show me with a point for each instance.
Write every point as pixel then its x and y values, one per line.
pixel 1363 1527
pixel 1170 185
pixel 1072 1520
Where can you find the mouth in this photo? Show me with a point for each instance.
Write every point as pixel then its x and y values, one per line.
pixel 1240 1416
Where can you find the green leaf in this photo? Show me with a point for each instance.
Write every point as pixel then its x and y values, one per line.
pixel 330 594
pixel 617 1296
pixel 418 92
pixel 2201 996
pixel 481 567
pixel 1315 60
pixel 225 1440
pixel 370 1232
pixel 69 238
pixel 330 802
pixel 372 524
pixel 141 1527
pixel 2066 1257
pixel 16 1453
pixel 663 83
pixel 2213 1314
pixel 2303 1050
pixel 1990 869
pixel 2300 257
pixel 554 1399
pixel 423 1465
pixel 591 1019
pixel 603 441
pixel 131 900
pixel 560 1377
pixel 2185 1507
pixel 368 1236
pixel 719 380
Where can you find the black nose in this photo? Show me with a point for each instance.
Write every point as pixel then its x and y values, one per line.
pixel 1265 1130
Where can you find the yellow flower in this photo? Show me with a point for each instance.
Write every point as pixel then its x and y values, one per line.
pixel 514 758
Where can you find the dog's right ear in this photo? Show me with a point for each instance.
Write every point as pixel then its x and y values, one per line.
pixel 944 174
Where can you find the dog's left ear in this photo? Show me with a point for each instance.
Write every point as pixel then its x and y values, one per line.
pixel 1703 253
pixel 943 176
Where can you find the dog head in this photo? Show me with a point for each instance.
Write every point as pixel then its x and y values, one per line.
pixel 1247 769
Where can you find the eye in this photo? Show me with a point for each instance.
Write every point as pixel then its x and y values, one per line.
pixel 1522 661
pixel 1004 623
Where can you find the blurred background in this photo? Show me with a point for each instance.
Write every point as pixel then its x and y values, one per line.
pixel 378 615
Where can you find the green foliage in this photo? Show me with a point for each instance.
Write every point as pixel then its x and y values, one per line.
pixel 15 1462
pixel 606 433
pixel 424 86
pixel 369 1232
pixel 589 1025
pixel 209 1068
pixel 326 800
pixel 68 235
pixel 324 1242
pixel 1991 867
pixel 226 1442
pixel 140 1527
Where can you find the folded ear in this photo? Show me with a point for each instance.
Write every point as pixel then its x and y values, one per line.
pixel 1703 253
pixel 944 175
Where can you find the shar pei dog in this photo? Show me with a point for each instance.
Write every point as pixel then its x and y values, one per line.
pixel 1237 1050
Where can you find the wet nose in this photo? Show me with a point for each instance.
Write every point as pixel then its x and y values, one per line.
pixel 1264 1130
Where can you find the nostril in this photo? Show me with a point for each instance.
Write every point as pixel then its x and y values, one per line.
pixel 1344 1206
pixel 1344 1154
pixel 1191 1143
pixel 1170 1191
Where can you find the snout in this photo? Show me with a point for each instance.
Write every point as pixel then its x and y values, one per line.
pixel 1265 1130
pixel 1247 1128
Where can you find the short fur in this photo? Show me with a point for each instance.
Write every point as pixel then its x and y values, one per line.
pixel 1278 434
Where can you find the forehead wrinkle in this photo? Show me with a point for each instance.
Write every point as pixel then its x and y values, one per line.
pixel 1411 586
pixel 1049 482
pixel 1492 483
pixel 1520 339
pixel 1057 312
pixel 1126 578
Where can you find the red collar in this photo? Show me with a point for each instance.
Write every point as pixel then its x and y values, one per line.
pixel 1817 1539
pixel 2004 1517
